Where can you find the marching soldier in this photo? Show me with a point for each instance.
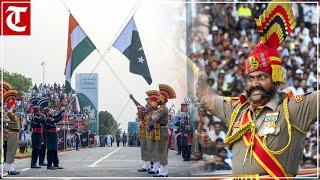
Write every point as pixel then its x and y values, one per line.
pixel 266 129
pixel 36 137
pixel 142 136
pixel 160 119
pixel 52 139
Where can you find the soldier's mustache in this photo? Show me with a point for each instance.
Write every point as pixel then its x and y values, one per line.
pixel 265 93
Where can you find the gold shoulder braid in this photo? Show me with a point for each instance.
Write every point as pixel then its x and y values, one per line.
pixel 142 127
pixel 230 139
pixel 287 118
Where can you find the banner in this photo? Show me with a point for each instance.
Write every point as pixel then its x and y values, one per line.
pixel 87 93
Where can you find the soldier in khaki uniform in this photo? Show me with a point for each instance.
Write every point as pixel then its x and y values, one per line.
pixel 12 141
pixel 266 129
pixel 142 135
pixel 160 118
pixel 5 120
pixel 4 88
pixel 153 103
pixel 9 99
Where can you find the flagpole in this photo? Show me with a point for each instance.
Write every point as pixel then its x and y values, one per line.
pixel 111 69
pixel 120 114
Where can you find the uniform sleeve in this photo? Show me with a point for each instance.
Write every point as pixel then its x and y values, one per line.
pixel 57 118
pixel 222 109
pixel 159 113
pixel 303 110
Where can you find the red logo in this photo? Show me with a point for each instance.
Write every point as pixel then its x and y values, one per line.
pixel 15 17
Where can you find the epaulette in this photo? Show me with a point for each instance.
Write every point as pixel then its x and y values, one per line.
pixel 299 98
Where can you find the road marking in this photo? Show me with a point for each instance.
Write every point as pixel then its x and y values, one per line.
pixel 98 161
pixel 25 169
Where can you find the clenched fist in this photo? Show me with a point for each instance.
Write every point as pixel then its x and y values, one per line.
pixel 202 88
pixel 205 94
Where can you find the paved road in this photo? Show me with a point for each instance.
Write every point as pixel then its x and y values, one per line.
pixel 102 162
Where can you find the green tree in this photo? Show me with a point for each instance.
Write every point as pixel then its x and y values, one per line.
pixel 107 123
pixel 17 81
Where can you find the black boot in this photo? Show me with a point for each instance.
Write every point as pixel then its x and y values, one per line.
pixel 13 172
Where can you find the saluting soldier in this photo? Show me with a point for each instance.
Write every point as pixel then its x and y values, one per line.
pixel 142 135
pixel 160 119
pixel 52 139
pixel 266 129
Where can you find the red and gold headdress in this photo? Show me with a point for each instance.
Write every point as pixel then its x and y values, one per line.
pixel 166 92
pixel 6 87
pixel 10 98
pixel 153 96
pixel 274 25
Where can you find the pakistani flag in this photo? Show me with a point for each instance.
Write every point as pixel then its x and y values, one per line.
pixel 79 48
pixel 130 45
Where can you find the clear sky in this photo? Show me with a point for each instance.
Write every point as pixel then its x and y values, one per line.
pixel 158 23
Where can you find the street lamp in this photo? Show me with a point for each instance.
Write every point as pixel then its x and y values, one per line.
pixel 43 64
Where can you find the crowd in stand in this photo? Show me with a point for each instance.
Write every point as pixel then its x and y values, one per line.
pixel 58 100
pixel 222 36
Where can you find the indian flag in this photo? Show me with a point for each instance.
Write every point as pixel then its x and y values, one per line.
pixel 79 48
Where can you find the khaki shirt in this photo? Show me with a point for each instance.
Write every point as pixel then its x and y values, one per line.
pixel 14 122
pixel 161 118
pixel 149 121
pixel 302 113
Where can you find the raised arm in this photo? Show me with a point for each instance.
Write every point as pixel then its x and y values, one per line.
pixel 219 106
pixel 205 95
pixel 58 117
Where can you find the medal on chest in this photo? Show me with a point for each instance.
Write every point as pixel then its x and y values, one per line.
pixel 270 124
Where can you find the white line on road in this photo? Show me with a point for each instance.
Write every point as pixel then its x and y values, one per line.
pixel 98 161
pixel 25 169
